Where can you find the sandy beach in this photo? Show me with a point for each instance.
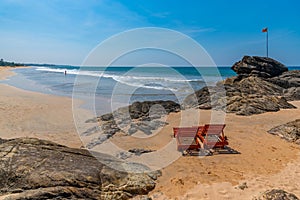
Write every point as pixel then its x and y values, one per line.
pixel 30 114
pixel 265 161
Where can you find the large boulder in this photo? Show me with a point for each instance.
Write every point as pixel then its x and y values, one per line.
pixel 140 109
pixel 249 96
pixel 276 194
pixel 38 169
pixel 262 85
pixel 258 66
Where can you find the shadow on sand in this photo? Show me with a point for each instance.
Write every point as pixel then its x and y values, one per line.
pixel 211 152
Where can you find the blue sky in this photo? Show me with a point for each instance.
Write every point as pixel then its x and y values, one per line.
pixel 65 31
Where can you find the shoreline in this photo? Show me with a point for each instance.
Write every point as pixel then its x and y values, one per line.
pixel 32 114
pixel 39 115
pixel 5 72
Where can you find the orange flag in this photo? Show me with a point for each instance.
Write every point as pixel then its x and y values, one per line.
pixel 265 30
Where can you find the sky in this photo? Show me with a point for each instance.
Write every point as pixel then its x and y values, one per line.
pixel 66 31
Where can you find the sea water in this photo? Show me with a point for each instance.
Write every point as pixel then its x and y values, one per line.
pixel 122 85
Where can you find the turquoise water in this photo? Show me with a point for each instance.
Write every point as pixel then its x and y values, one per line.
pixel 152 82
pixel 119 83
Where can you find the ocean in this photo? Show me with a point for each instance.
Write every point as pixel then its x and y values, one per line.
pixel 122 85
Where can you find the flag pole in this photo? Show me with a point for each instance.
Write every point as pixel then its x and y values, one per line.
pixel 265 30
pixel 267 43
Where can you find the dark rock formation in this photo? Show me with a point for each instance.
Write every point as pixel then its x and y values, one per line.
pixel 287 79
pixel 140 116
pixel 249 96
pixel 289 131
pixel 292 93
pixel 276 194
pixel 290 82
pixel 250 93
pixel 139 152
pixel 38 169
pixel 258 66
pixel 142 109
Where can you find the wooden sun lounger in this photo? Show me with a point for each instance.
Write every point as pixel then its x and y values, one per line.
pixel 212 136
pixel 186 138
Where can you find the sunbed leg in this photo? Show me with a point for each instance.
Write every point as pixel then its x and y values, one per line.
pixel 184 153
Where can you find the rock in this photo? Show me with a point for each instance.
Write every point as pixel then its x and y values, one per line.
pixel 94 120
pixel 292 94
pixel 257 104
pixel 124 155
pixel 276 194
pixel 145 108
pixel 91 131
pixel 200 97
pixel 145 129
pixel 107 117
pixel 151 125
pixel 289 131
pixel 255 85
pixel 162 107
pixel 142 197
pixel 243 186
pixel 141 109
pixel 139 152
pixel 39 169
pixel 96 141
pixel 205 106
pixel 154 116
pixel 132 130
pixel 122 118
pixel 287 79
pixel 251 92
pixel 247 97
pixel 135 110
pixel 259 66
pixel 155 124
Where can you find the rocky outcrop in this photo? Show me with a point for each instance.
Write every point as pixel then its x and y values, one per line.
pixel 290 82
pixel 289 131
pixel 249 96
pixel 292 94
pixel 143 110
pixel 252 91
pixel 253 95
pixel 287 79
pixel 140 116
pixel 258 66
pixel 38 169
pixel 276 194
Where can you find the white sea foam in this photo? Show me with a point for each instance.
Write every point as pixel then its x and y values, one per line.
pixel 173 83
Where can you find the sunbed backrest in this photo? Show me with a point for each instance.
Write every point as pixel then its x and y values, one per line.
pixel 214 129
pixel 185 131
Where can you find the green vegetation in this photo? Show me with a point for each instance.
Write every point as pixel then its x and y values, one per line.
pixel 11 64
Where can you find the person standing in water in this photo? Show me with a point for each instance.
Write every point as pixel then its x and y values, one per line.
pixel 65 72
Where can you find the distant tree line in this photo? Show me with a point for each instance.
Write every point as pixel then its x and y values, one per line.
pixel 12 64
